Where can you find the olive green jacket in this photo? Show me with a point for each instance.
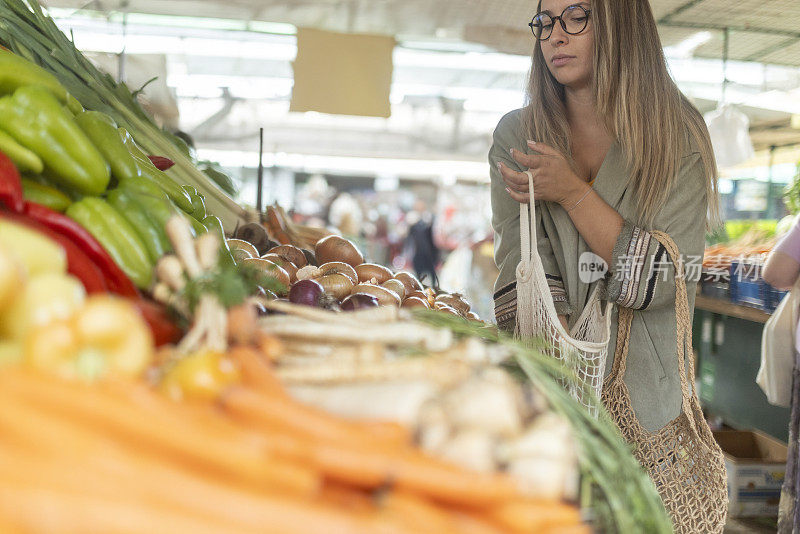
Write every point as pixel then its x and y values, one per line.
pixel 641 275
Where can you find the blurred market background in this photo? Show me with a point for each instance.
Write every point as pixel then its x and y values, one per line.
pixel 427 82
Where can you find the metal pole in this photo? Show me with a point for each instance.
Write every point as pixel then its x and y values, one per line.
pixel 260 184
pixel 123 55
pixel 770 210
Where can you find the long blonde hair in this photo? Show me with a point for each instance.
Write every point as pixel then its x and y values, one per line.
pixel 638 101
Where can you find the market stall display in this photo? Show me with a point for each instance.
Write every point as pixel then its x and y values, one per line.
pixel 195 374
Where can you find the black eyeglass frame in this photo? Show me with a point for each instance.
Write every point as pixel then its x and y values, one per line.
pixel 560 19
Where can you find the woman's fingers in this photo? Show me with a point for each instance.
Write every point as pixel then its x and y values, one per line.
pixel 522 198
pixel 543 149
pixel 517 181
pixel 530 161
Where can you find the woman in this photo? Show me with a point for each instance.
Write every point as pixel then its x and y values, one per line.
pixel 781 271
pixel 616 151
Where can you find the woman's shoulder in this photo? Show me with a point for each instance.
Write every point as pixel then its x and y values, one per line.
pixel 510 127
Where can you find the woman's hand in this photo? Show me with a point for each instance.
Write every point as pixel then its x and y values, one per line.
pixel 553 178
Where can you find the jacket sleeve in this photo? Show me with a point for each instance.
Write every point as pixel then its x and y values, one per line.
pixel 642 275
pixel 505 214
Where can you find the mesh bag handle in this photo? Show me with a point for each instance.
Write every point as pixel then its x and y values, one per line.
pixel 531 265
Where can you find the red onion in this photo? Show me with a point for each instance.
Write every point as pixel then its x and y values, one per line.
pixel 359 301
pixel 306 292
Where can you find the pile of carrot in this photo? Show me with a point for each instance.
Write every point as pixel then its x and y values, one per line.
pixel 118 457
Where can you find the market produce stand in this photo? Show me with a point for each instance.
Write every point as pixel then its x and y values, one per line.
pixel 192 363
pixel 727 338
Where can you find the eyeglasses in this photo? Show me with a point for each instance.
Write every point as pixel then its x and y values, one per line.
pixel 573 20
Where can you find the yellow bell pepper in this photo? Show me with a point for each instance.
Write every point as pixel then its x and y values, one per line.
pixel 38 253
pixel 12 278
pixel 200 376
pixel 45 298
pixel 107 336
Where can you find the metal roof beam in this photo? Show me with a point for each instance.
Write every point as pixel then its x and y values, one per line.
pixel 722 27
pixel 770 49
pixel 680 9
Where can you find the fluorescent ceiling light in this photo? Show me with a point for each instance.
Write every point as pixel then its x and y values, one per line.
pixel 686 48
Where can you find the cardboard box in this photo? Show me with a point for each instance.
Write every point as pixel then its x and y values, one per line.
pixel 756 465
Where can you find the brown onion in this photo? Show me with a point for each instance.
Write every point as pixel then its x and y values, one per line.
pixel 396 286
pixel 290 253
pixel 472 316
pixel 416 302
pixel 409 280
pixel 386 297
pixel 240 244
pixel 446 309
pixel 369 271
pixel 338 267
pixel 336 248
pixel 271 269
pixel 336 285
pixel 454 301
pixel 286 265
pixel 240 255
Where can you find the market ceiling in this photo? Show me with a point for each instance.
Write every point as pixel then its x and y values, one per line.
pixel 760 30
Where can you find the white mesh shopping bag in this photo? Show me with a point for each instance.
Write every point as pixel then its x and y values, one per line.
pixel 584 349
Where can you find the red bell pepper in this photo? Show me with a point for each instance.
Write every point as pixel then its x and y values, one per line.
pixel 161 163
pixel 117 281
pixel 78 263
pixel 10 185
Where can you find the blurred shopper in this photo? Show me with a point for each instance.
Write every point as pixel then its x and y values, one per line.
pixel 781 271
pixel 424 252
pixel 615 152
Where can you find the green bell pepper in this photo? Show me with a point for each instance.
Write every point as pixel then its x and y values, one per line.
pixel 16 72
pixel 133 206
pixel 116 235
pixel 149 171
pixel 35 119
pixel 158 204
pixel 24 159
pixel 102 130
pixel 198 202
pixel 45 195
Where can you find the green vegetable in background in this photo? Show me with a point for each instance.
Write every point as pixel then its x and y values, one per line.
pixel 102 130
pixel 791 195
pixel 149 171
pixel 198 203
pixel 220 178
pixel 153 199
pixel 35 119
pixel 117 236
pixel 24 159
pixel 16 72
pixel 136 209
pixel 45 195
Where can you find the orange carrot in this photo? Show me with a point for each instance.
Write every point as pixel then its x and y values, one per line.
pixel 534 515
pixel 421 516
pixel 256 372
pixel 372 467
pixel 387 431
pixel 163 434
pixel 296 418
pixel 347 497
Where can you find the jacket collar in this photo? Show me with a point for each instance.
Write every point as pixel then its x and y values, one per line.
pixel 613 178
